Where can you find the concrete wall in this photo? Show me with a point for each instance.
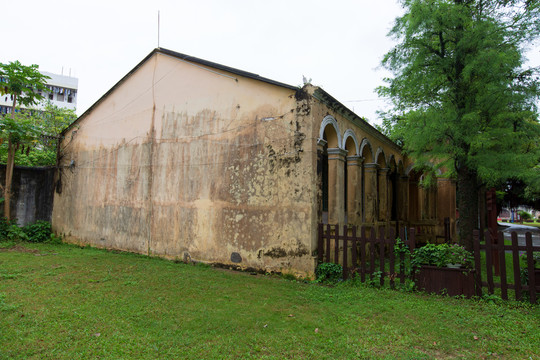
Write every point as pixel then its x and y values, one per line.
pixel 186 162
pixel 32 193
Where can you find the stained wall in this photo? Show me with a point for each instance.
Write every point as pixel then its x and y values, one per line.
pixel 189 162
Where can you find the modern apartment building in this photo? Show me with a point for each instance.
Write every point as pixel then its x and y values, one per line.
pixel 62 92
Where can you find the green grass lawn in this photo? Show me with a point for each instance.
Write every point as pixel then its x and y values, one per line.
pixel 66 302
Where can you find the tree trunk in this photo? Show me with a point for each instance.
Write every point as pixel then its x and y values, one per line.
pixel 9 168
pixel 467 205
pixel 9 177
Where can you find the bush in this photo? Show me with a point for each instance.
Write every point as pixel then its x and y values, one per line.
pixel 329 272
pixel 525 215
pixel 38 232
pixel 10 231
pixel 441 255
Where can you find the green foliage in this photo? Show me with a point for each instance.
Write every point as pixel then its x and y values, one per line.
pixel 374 279
pixel 525 215
pixel 400 247
pixel 288 276
pixel 40 231
pixel 462 99
pixel 35 134
pixel 457 254
pixel 329 272
pixel 11 232
pixel 429 254
pixel 22 82
pixel 535 258
pixel 441 255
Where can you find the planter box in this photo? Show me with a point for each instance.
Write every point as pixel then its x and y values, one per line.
pixel 442 280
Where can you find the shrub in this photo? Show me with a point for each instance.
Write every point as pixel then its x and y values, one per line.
pixel 525 215
pixel 329 272
pixel 442 255
pixel 10 231
pixel 38 232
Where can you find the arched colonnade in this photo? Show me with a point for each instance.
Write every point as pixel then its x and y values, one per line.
pixel 361 184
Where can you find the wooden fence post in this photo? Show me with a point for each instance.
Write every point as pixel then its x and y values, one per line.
pixel 502 267
pixel 363 254
pixel 336 245
pixel 530 268
pixel 354 249
pixel 517 270
pixel 477 263
pixel 392 243
pixel 328 232
pixel 402 257
pixel 382 232
pixel 372 251
pixel 489 262
pixel 345 250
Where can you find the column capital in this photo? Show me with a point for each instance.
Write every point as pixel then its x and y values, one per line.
pixel 371 166
pixel 336 154
pixel 384 171
pixel 355 160
pixel 321 143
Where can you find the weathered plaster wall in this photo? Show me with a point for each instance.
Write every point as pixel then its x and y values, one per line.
pixel 188 163
pixel 32 189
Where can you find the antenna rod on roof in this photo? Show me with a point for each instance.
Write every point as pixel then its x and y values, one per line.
pixel 158 29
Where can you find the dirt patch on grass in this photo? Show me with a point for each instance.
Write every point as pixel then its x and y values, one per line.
pixel 19 248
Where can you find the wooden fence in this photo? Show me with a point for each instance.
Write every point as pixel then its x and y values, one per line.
pixel 495 264
pixel 361 253
pixel 366 250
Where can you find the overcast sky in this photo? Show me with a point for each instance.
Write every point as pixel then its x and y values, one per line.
pixel 339 44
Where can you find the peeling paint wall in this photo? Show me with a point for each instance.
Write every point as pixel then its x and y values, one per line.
pixel 32 190
pixel 182 162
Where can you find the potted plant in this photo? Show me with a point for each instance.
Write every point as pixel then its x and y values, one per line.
pixel 458 257
pixel 444 269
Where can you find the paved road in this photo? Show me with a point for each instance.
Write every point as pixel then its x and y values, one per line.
pixel 521 230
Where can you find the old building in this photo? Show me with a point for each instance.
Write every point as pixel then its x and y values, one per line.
pixel 188 159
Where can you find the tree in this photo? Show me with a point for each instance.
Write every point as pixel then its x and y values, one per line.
pixel 24 85
pixel 42 129
pixel 462 99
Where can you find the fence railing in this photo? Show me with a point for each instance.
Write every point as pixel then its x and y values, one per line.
pixel 364 251
pixel 495 262
pixel 367 250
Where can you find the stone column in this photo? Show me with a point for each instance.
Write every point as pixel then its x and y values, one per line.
pixel 403 205
pixel 321 143
pixel 354 189
pixel 336 183
pixel 383 194
pixel 370 191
